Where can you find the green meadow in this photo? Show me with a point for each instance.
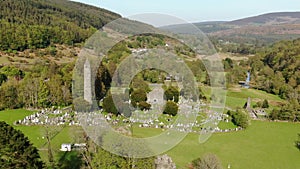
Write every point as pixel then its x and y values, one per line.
pixel 237 97
pixel 264 145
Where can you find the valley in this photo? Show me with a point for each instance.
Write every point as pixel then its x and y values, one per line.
pixel 76 75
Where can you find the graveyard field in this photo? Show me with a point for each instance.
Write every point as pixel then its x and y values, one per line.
pixel 264 145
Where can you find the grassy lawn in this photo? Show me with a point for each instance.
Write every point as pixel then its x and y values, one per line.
pixel 223 125
pixel 264 145
pixel 10 116
pixel 237 97
pixel 245 93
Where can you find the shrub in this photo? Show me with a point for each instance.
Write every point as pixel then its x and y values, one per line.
pixel 171 108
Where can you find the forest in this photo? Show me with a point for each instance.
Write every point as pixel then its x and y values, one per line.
pixel 31 24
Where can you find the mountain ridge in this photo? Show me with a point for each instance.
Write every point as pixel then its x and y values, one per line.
pixel 269 18
pixel 267 28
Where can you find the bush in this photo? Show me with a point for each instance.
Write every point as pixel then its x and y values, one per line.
pixel 209 161
pixel 239 118
pixel 109 105
pixel 172 94
pixel 138 96
pixel 171 108
pixel 144 105
pixel 265 104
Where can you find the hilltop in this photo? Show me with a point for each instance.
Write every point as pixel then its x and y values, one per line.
pixel 262 29
pixel 269 19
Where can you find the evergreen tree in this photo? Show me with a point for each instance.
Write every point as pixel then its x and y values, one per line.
pixel 16 151
pixel 43 95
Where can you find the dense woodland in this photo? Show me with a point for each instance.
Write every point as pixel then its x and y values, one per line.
pixel 42 86
pixel 31 24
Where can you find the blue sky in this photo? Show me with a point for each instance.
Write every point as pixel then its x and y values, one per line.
pixel 198 10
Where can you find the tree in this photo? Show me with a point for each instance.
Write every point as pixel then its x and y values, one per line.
pixel 139 83
pixel 228 64
pixel 171 108
pixel 16 150
pixel 71 159
pixel 274 115
pixel 109 105
pixel 265 104
pixel 138 96
pixel 102 82
pixel 55 88
pixel 9 95
pixel 3 78
pixel 239 118
pixel 43 95
pixel 172 94
pixel 208 161
pixel 106 159
pixel 11 71
pixel 202 95
pixel 290 112
pixel 144 105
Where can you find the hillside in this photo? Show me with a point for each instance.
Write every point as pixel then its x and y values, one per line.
pixel 266 28
pixel 269 19
pixel 31 24
pixel 263 29
pixel 206 27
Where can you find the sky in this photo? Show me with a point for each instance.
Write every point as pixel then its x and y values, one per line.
pixel 197 10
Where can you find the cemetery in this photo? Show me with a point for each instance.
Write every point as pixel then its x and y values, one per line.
pixel 50 117
pixel 222 143
pixel 143 119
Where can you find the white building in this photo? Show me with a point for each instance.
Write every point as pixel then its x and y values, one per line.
pixel 66 147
